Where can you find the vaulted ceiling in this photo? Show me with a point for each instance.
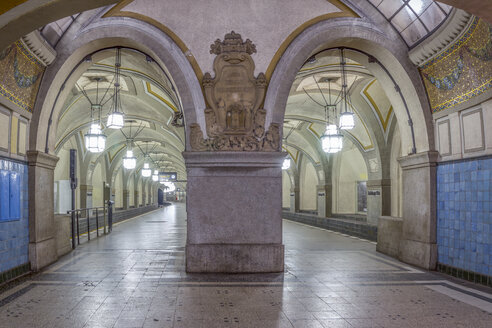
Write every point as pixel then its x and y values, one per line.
pixel 318 83
pixel 148 100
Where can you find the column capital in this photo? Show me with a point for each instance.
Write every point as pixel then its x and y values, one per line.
pixel 41 159
pixel 324 186
pixel 378 183
pixel 419 160
pixel 86 187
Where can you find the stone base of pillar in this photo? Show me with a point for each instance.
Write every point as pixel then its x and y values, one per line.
pixel 42 253
pixel 234 208
pixel 389 235
pixel 421 254
pixel 234 258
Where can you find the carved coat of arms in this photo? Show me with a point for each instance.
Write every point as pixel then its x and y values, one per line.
pixel 234 119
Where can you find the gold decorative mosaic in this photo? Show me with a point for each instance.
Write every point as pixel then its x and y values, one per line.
pixel 463 71
pixel 20 76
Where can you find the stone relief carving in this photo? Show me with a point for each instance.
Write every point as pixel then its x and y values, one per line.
pixel 234 119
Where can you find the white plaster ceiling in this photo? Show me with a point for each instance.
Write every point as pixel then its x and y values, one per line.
pixel 148 100
pixel 305 116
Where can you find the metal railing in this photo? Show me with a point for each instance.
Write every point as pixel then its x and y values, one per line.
pixel 92 220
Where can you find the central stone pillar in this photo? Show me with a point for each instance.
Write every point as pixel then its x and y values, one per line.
pixel 42 243
pixel 234 207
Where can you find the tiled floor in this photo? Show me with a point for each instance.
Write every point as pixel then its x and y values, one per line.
pixel 135 278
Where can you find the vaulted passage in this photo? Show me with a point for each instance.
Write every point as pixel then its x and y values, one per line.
pixel 135 277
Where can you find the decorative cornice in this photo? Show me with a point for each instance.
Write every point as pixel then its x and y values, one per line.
pixel 40 159
pixel 445 36
pixel 39 47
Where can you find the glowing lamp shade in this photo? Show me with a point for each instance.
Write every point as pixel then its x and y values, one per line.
pixel 331 141
pixel 129 161
pixel 155 176
pixel 286 164
pixel 170 186
pixel 146 171
pixel 347 121
pixel 116 120
pixel 95 140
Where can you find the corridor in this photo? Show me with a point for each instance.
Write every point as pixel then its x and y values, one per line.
pixel 135 277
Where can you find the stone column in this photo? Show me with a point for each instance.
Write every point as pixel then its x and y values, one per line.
pixel 154 193
pixel 85 197
pixel 143 197
pixel 378 199
pixel 324 200
pixel 135 199
pixel 42 243
pixel 126 199
pixel 234 207
pixel 294 199
pixel 418 243
pixel 149 193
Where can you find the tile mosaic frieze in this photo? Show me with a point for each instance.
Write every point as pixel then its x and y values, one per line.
pixel 20 75
pixel 463 71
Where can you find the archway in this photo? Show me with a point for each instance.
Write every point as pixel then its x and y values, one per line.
pixel 61 118
pixel 403 88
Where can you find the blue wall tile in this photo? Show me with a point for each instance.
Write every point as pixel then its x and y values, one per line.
pixel 14 235
pixel 464 215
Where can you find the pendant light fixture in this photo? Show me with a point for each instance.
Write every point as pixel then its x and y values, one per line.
pixel 347 121
pixel 116 117
pixel 332 139
pixel 146 171
pixel 129 161
pixel 95 140
pixel 286 164
pixel 155 176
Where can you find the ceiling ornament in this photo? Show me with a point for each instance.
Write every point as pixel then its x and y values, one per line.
pixel 234 119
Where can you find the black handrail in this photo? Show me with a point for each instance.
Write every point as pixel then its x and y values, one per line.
pixel 77 213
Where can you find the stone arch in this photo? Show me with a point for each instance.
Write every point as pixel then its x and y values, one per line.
pixel 69 66
pixel 411 106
